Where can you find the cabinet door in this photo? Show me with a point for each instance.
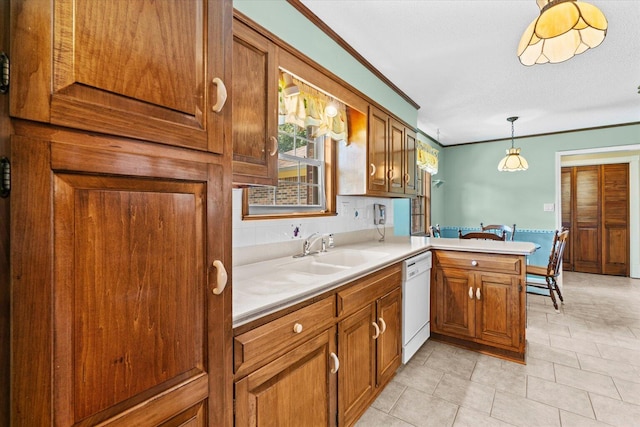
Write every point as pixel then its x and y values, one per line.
pixel 112 307
pixel 255 108
pixel 297 389
pixel 411 181
pixel 396 157
pixel 586 240
pixel 151 70
pixel 454 302
pixel 378 163
pixel 498 308
pixel 389 344
pixel 356 381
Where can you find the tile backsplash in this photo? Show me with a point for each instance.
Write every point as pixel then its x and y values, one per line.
pixel 354 213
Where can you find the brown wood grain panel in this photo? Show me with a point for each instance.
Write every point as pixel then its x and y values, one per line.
pixel 389 344
pixel 615 219
pixel 369 289
pixel 396 156
pixel 377 150
pixel 566 185
pixel 587 234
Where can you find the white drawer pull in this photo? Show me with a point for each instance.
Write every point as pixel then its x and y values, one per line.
pixel 384 325
pixel 297 328
pixel 377 328
pixel 274 151
pixel 471 292
pixel 373 169
pixel 336 363
pixel 478 293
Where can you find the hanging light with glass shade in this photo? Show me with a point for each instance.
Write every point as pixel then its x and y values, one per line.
pixel 513 161
pixel 564 28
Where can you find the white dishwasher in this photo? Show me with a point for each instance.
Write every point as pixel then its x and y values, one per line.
pixel 416 289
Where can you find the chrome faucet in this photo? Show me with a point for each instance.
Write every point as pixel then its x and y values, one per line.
pixel 309 242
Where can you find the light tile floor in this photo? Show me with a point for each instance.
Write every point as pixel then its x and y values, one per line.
pixel 583 369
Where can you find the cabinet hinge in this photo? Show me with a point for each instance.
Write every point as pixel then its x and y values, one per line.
pixel 4 73
pixel 520 288
pixel 5 177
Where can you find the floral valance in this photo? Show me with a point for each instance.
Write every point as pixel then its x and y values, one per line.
pixel 427 157
pixel 308 107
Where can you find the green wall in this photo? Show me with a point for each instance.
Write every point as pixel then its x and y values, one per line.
pixel 474 190
pixel 283 20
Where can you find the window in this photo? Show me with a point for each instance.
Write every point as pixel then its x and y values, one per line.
pixel 311 123
pixel 301 174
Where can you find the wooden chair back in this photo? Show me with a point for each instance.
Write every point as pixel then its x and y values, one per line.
pixel 434 230
pixel 557 249
pixel 499 228
pixel 481 235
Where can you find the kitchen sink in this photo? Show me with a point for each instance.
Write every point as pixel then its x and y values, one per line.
pixel 310 265
pixel 348 257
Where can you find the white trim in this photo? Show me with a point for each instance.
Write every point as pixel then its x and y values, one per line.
pixel 634 191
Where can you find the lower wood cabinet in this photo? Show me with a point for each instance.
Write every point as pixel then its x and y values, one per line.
pixel 478 301
pixel 325 363
pixel 296 389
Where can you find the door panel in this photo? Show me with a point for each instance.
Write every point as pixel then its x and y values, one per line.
pixel 587 241
pixel 396 154
pixel 566 178
pixel 615 219
pixel 498 320
pixel 389 344
pixel 356 380
pixel 455 309
pixel 378 166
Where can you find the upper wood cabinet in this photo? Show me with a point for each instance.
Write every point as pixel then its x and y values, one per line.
pixel 150 70
pixel 391 156
pixel 255 107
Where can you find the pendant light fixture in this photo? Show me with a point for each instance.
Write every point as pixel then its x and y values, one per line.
pixel 564 28
pixel 513 161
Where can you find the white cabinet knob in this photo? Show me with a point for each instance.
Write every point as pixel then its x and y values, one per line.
pixel 297 328
pixel 474 263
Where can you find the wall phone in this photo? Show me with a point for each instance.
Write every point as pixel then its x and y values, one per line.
pixel 379 214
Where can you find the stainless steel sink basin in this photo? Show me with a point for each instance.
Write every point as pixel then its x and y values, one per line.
pixel 348 257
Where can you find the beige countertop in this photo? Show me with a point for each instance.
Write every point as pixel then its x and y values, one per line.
pixel 264 287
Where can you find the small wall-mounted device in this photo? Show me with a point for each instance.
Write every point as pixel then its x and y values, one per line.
pixel 379 214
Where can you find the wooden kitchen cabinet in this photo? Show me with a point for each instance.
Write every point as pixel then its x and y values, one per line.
pixel 369 340
pixel 117 247
pixel 391 154
pixel 255 107
pixel 296 389
pixel 149 70
pixel 478 301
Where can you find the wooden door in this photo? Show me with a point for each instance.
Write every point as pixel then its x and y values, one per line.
pixel 411 173
pixel 615 219
pixel 255 107
pixel 297 389
pixel 356 380
pixel 566 180
pixel 151 70
pixel 377 150
pixel 389 343
pixel 114 319
pixel 498 306
pixel 586 240
pixel 455 302
pixel 396 157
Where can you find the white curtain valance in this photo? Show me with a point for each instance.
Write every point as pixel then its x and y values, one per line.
pixel 307 108
pixel 427 157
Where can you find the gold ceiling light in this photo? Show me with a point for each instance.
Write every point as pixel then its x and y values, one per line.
pixel 564 28
pixel 513 161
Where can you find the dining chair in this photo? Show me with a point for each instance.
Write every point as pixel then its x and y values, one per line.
pixel 550 272
pixel 481 235
pixel 435 230
pixel 497 228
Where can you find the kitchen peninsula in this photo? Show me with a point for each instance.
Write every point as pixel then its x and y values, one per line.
pixel 327 327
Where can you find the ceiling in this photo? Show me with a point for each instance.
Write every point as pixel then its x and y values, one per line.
pixel 457 60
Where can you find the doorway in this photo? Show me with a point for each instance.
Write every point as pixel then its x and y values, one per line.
pixel 609 155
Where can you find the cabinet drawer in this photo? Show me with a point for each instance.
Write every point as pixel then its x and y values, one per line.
pixel 264 343
pixel 368 289
pixel 482 262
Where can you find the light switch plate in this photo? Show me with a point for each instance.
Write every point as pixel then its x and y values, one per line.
pixel 549 207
